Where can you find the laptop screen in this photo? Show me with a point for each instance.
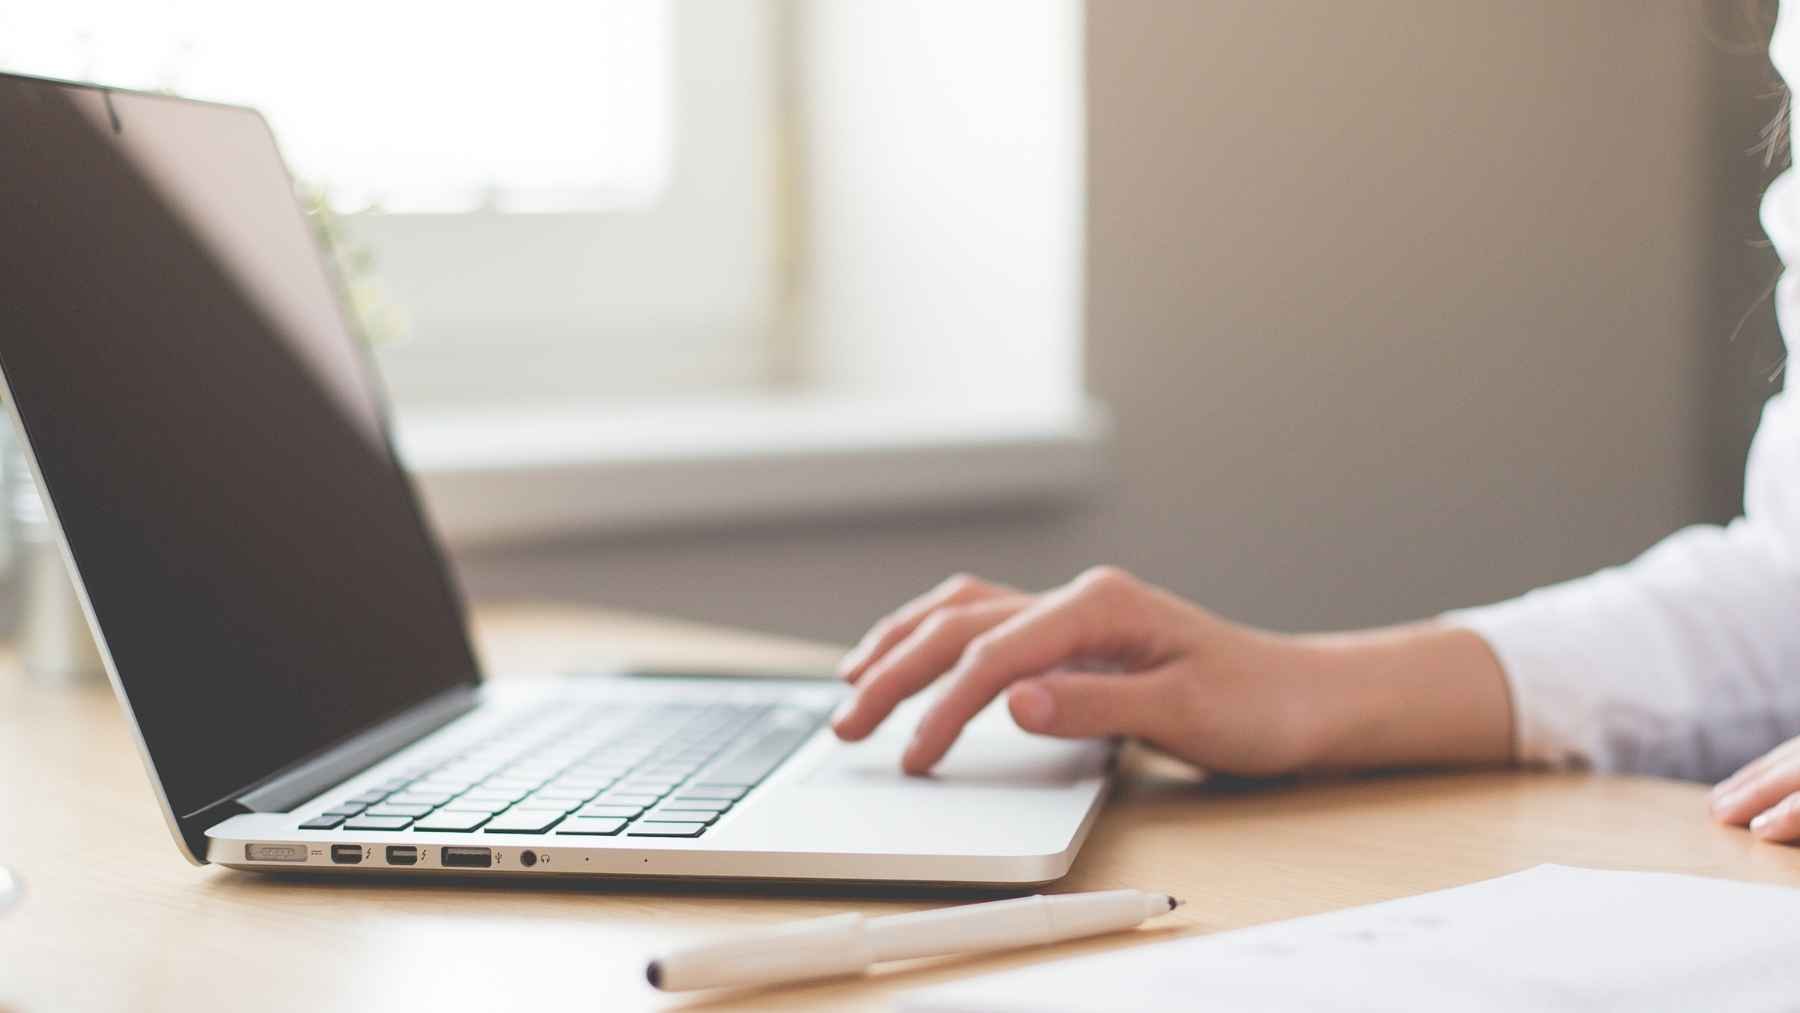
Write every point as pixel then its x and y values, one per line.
pixel 211 437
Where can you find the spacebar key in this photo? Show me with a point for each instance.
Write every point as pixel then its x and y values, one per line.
pixel 665 828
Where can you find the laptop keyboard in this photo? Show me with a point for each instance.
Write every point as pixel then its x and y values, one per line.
pixel 580 769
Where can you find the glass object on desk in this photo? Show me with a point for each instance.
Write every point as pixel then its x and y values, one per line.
pixel 54 643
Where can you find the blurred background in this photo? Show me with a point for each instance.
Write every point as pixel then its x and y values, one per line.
pixel 776 313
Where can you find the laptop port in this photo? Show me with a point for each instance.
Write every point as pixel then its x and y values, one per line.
pixel 346 854
pixel 402 854
pixel 467 858
pixel 528 858
pixel 275 852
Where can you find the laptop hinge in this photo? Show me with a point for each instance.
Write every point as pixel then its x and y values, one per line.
pixel 193 826
pixel 352 756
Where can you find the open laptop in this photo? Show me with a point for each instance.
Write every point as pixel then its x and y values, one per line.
pixel 283 629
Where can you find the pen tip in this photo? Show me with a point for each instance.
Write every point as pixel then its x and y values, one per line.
pixel 1175 902
pixel 653 974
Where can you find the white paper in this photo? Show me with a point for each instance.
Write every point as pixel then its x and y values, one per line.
pixel 1549 938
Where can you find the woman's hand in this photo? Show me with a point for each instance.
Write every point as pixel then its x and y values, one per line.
pixel 1107 654
pixel 1764 795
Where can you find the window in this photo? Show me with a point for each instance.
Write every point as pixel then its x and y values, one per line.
pixel 627 233
pixel 400 105
pixel 582 307
pixel 557 203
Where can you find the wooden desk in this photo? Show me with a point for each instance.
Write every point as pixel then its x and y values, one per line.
pixel 114 919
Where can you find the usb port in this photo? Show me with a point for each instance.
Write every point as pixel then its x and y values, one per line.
pixel 346 854
pixel 402 854
pixel 467 858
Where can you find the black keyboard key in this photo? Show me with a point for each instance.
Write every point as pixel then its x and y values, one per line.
pixel 622 812
pixel 687 757
pixel 598 771
pixel 553 791
pixel 740 773
pixel 591 785
pixel 557 805
pixel 462 773
pixel 621 751
pixel 751 765
pixel 516 821
pixel 666 828
pixel 432 798
pixel 378 823
pixel 434 786
pixel 591 826
pixel 503 796
pixel 697 791
pixel 392 809
pixel 683 815
pixel 714 805
pixel 453 821
pixel 625 798
pixel 473 805
pixel 325 822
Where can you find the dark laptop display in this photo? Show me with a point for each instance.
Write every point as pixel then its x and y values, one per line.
pixel 265 571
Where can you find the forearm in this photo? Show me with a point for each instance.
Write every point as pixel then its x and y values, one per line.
pixel 1424 695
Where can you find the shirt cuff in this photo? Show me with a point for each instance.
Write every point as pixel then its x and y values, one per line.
pixel 1552 725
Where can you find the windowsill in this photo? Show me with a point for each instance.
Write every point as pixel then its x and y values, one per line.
pixel 493 477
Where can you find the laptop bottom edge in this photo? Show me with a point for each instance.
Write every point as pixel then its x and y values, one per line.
pixel 545 856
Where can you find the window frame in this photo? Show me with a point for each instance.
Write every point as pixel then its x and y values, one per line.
pixel 677 296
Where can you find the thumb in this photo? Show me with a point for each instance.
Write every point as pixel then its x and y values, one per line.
pixel 1081 705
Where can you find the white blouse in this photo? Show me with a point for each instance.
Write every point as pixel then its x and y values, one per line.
pixel 1685 662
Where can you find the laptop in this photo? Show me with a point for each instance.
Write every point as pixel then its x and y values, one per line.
pixel 282 627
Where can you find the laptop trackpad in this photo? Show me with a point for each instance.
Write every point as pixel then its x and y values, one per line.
pixel 1000 792
pixel 992 752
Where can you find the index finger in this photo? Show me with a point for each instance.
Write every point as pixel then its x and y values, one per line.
pixel 961 589
pixel 1087 618
pixel 1752 770
pixel 1763 791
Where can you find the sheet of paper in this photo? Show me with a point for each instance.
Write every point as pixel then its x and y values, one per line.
pixel 1549 938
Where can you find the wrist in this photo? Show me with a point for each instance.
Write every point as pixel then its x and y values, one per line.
pixel 1428 694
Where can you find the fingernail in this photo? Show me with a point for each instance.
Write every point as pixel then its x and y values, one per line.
pixel 1727 801
pixel 1033 706
pixel 1762 821
pixel 1728 788
pixel 847 663
pixel 842 712
pixel 909 759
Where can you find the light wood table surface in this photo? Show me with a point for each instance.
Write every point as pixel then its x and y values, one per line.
pixel 115 919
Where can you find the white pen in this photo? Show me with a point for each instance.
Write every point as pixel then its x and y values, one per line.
pixel 849 943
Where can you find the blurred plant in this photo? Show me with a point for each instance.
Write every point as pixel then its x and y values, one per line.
pixel 373 312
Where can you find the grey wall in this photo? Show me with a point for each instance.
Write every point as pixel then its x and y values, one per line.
pixel 1399 305
pixel 1740 347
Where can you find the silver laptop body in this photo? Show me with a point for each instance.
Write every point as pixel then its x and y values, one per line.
pixel 284 630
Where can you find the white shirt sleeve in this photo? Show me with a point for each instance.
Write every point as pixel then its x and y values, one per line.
pixel 1685 662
